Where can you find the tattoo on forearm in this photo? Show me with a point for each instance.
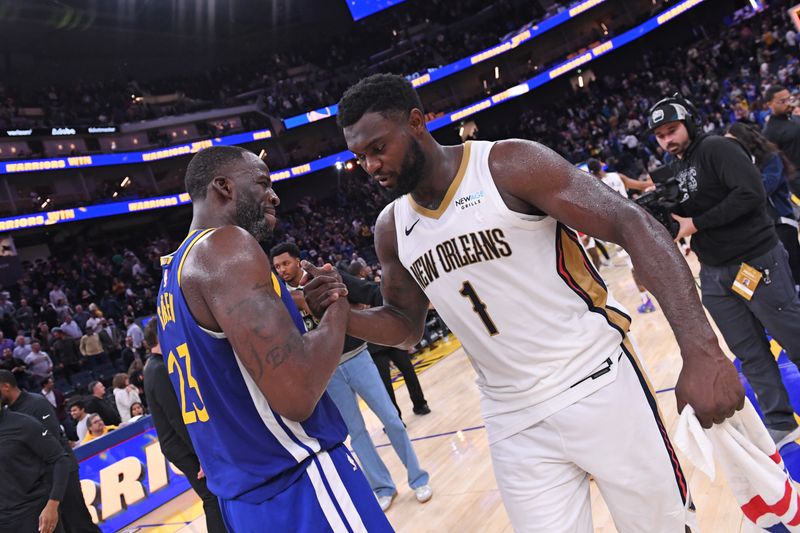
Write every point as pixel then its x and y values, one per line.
pixel 250 311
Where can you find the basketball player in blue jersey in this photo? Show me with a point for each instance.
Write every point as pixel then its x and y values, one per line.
pixel 484 231
pixel 250 383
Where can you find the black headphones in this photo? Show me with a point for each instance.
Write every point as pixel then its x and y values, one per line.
pixel 673 108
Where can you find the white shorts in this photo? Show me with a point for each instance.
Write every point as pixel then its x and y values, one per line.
pixel 615 434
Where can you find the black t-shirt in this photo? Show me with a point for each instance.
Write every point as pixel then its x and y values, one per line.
pixel 33 467
pixel 103 408
pixel 786 134
pixel 36 406
pixel 722 190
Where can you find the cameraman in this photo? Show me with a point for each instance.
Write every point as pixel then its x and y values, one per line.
pixel 747 284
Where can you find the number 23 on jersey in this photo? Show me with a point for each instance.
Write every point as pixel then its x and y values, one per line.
pixel 193 409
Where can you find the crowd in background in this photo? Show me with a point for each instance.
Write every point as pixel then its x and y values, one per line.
pixel 286 82
pixel 724 75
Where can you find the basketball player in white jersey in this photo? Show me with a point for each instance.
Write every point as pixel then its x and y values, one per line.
pixel 621 183
pixel 482 230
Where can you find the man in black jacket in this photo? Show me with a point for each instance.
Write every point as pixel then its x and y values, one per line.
pixel 34 470
pixel 747 283
pixel 98 403
pixel 172 435
pixel 75 516
pixel 782 130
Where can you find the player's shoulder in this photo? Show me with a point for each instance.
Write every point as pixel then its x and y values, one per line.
pixel 22 420
pixel 225 250
pixel 227 243
pixel 508 156
pixel 385 219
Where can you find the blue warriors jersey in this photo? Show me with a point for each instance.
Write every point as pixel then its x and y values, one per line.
pixel 247 450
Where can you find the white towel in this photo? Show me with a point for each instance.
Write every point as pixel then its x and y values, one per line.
pixel 751 463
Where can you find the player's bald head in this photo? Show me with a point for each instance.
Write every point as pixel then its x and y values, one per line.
pixel 211 162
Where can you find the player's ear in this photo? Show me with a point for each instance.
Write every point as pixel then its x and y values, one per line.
pixel 223 186
pixel 416 120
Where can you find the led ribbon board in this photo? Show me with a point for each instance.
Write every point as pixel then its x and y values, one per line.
pixel 462 64
pixel 364 8
pixel 127 158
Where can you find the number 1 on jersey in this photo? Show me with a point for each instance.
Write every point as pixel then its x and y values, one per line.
pixel 479 307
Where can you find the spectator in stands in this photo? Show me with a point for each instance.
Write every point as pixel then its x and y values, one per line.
pixel 15 366
pixel 24 315
pixel 43 335
pixel 136 412
pixel 55 397
pixel 125 395
pixel 47 312
pixel 77 410
pixel 5 343
pixel 783 128
pixel 136 378
pixel 97 428
pixel 66 355
pixel 39 363
pixel 91 349
pixel 6 307
pixel 135 333
pixel 98 403
pixel 94 322
pixel 57 295
pixel 128 355
pixel 21 348
pixel 81 317
pixel 63 311
pixel 109 340
pixel 71 328
pixel 116 333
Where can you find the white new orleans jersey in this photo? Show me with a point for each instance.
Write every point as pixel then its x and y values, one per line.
pixel 535 318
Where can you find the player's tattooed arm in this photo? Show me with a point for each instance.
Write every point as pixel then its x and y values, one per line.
pixel 237 296
pixel 529 174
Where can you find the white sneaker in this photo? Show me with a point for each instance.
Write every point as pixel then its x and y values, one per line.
pixel 423 493
pixel 386 501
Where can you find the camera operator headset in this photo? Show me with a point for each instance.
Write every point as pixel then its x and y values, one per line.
pixel 746 282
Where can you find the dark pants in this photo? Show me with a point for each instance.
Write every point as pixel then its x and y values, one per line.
pixel 30 522
pixel 75 516
pixel 95 361
pixel 190 466
pixel 402 361
pixel 788 236
pixel 774 307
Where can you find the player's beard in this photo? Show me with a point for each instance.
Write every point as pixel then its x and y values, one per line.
pixel 410 172
pixel 250 216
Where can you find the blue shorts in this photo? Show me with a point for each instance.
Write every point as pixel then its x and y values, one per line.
pixel 332 495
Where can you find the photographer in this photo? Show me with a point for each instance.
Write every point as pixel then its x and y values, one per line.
pixel 747 284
